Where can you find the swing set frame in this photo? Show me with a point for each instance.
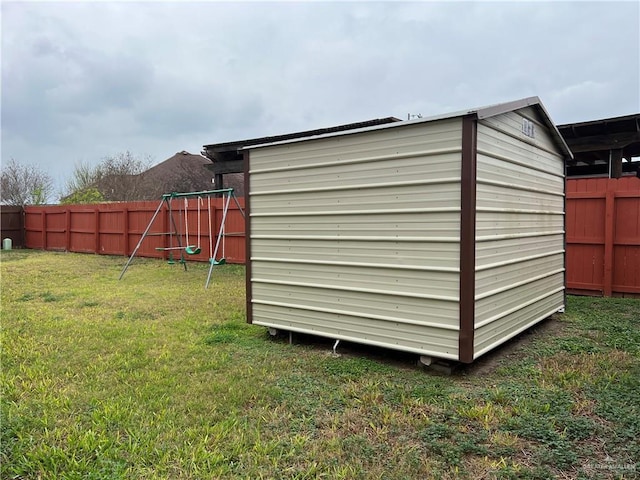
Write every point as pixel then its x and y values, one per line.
pixel 226 193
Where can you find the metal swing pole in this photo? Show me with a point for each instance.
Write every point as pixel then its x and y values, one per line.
pixel 186 221
pixel 235 199
pixel 212 260
pixel 209 223
pixel 178 239
pixel 199 220
pixel 135 250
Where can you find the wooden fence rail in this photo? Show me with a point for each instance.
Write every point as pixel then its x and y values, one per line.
pixel 116 228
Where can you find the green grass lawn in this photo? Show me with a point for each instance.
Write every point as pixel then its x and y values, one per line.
pixel 155 377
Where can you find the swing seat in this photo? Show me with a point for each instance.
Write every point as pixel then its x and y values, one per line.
pixel 192 250
pixel 213 261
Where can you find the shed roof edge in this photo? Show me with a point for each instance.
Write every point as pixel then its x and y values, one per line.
pixel 480 112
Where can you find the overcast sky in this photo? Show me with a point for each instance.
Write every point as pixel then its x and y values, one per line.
pixel 81 81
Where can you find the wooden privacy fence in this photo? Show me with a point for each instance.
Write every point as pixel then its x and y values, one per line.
pixel 603 236
pixel 116 228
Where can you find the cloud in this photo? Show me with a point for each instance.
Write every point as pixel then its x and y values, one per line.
pixel 53 81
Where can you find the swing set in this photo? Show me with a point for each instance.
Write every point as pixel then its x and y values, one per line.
pixel 189 248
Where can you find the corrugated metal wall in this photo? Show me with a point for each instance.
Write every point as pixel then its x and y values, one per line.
pixel 603 236
pixel 519 228
pixel 116 228
pixel 356 237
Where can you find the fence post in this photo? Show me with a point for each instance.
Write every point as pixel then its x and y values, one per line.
pixel 97 229
pixel 23 228
pixel 610 200
pixel 44 229
pixel 67 231
pixel 125 228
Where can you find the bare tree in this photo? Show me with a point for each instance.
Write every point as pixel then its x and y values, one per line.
pixel 117 178
pixel 22 184
pixel 84 177
pixel 120 177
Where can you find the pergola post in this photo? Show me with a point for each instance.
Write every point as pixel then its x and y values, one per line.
pixel 218 182
pixel 615 160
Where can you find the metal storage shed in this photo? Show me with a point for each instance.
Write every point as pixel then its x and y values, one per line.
pixel 441 236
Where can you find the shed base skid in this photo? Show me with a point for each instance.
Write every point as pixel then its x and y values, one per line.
pixel 273 331
pixel 438 365
pixel 426 362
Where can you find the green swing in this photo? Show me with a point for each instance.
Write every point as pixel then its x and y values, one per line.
pixel 191 249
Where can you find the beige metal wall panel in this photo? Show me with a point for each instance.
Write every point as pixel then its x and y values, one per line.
pixel 516 199
pixel 368 147
pixel 389 199
pixel 493 307
pixel 492 279
pixel 496 224
pixel 489 336
pixel 506 138
pixel 390 279
pixel 378 252
pixel 388 169
pixel 519 227
pixel 358 236
pixel 394 308
pixel 371 330
pixel 521 174
pixel 494 252
pixel 425 225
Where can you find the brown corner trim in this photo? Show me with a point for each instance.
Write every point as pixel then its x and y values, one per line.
pixel 564 235
pixel 468 238
pixel 247 236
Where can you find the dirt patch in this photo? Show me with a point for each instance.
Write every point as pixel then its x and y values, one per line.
pixel 512 349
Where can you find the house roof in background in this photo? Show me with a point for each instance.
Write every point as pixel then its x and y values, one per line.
pixel 183 171
pixel 178 160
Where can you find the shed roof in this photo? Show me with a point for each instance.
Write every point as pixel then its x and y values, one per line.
pixel 212 149
pixel 227 156
pixel 479 112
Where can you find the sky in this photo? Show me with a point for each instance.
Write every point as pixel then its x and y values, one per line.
pixel 82 81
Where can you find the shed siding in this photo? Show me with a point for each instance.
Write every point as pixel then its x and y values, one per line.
pixel 519 228
pixel 356 237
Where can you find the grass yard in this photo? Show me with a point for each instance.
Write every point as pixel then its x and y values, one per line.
pixel 155 377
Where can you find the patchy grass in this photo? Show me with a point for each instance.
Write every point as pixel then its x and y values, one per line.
pixel 155 377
